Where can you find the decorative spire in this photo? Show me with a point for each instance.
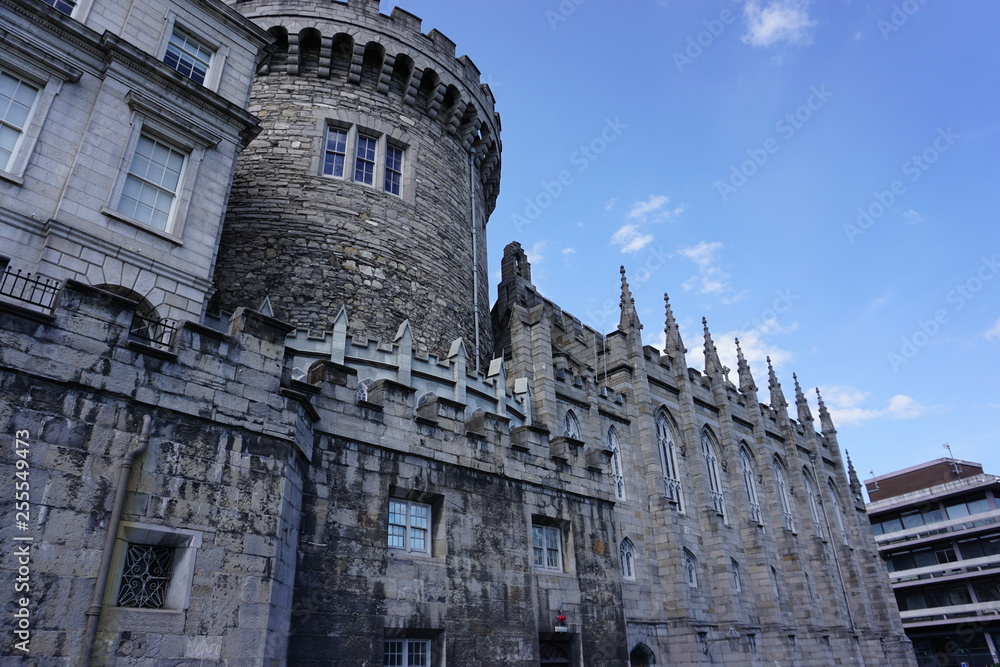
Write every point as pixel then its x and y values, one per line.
pixel 805 415
pixel 747 385
pixel 778 401
pixel 852 475
pixel 713 365
pixel 629 318
pixel 674 344
pixel 826 422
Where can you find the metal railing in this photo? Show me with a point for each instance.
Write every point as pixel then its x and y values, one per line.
pixel 151 331
pixel 29 289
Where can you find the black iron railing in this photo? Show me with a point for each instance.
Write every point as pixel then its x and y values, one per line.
pixel 29 289
pixel 151 331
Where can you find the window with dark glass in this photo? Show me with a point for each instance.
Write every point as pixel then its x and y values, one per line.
pixel 188 56
pixel 546 544
pixel 145 576
pixel 409 526
pixel 65 6
pixel 393 169
pixel 17 97
pixel 335 155
pixel 406 653
pixel 364 159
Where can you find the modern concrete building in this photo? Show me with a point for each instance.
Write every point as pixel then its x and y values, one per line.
pixel 937 526
pixel 300 437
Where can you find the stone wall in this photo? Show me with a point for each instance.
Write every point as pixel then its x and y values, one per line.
pixel 312 243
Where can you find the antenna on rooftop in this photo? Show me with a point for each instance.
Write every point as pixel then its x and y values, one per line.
pixel 954 463
pixel 872 473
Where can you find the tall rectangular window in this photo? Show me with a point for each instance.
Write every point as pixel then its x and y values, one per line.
pixel 336 152
pixel 406 653
pixel 17 97
pixel 393 169
pixel 65 6
pixel 409 525
pixel 364 163
pixel 188 56
pixel 152 182
pixel 547 547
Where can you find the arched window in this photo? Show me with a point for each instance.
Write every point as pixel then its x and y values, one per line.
pixel 571 426
pixel 750 483
pixel 814 510
pixel 734 569
pixel 617 475
pixel 838 514
pixel 668 453
pixel 690 569
pixel 781 484
pixel 626 552
pixel 714 480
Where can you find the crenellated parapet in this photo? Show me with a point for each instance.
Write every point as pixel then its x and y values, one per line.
pixel 352 43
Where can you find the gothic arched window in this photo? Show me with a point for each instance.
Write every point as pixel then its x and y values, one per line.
pixel 750 483
pixel 838 513
pixel 617 474
pixel 690 569
pixel 571 427
pixel 714 479
pixel 668 454
pixel 781 484
pixel 626 552
pixel 814 510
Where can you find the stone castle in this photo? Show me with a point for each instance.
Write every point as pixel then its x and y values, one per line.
pixel 256 409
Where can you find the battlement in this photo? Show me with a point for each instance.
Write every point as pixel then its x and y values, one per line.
pixel 353 43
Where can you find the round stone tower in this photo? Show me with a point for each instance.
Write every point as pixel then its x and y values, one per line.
pixel 371 182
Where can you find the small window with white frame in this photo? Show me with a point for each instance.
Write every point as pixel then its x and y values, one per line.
pixel 406 653
pixel 335 153
pixel 152 183
pixel 364 159
pixel 64 6
pixel 363 156
pixel 409 526
pixel 188 56
pixel 547 547
pixel 17 100
pixel 626 552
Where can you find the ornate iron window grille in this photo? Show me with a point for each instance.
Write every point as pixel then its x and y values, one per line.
pixel 24 287
pixel 145 576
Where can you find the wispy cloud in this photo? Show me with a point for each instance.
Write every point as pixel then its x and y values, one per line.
pixel 993 333
pixel 536 253
pixel 849 406
pixel 777 21
pixel 711 278
pixel 635 233
pixel 630 238
pixel 912 217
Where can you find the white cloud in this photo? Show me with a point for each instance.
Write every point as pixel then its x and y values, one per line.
pixel 848 406
pixel 536 253
pixel 993 333
pixel 710 279
pixel 631 238
pixel 777 21
pixel 610 204
pixel 641 209
pixel 912 217
pixel 635 234
pixel 568 251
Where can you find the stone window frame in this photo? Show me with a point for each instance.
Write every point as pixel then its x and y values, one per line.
pixel 408 527
pixel 185 543
pixel 736 573
pixel 667 444
pixel 355 124
pixel 188 51
pixel 838 511
pixel 626 554
pixel 190 138
pixel 690 564
pixel 710 452
pixel 550 526
pixel 617 469
pixel 750 484
pixel 432 638
pixel 405 646
pixel 204 35
pixel 782 489
pixel 813 500
pixel 80 11
pixel 48 76
pixel 58 6
pixel 437 539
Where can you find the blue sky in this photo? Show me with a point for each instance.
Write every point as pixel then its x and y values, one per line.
pixel 817 178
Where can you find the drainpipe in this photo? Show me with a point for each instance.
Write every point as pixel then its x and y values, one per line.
pixel 475 249
pixel 94 612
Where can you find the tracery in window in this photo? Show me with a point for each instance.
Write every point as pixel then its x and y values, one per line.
pixel 617 473
pixel 571 426
pixel 668 455
pixel 690 569
pixel 750 484
pixel 781 484
pixel 626 553
pixel 714 479
pixel 814 509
